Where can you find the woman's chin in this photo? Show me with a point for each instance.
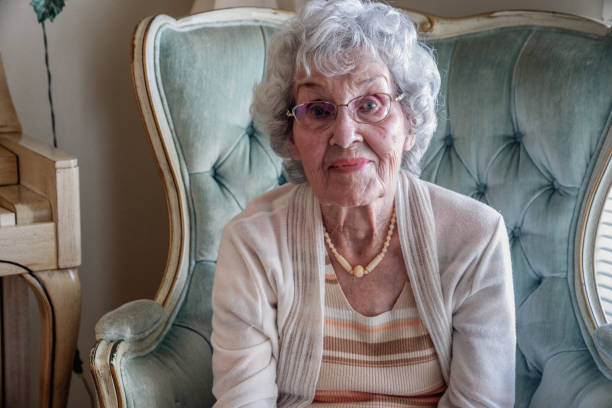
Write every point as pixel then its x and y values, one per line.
pixel 346 196
pixel 351 189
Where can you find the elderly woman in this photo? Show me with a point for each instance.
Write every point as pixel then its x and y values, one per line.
pixel 358 284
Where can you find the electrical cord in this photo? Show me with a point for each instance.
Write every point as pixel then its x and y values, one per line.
pixel 77 365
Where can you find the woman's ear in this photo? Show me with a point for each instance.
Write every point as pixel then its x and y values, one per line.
pixel 409 142
pixel 410 136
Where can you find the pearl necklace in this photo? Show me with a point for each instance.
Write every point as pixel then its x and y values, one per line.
pixel 358 271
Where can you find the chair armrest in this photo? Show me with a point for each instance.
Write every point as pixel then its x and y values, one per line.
pixel 132 330
pixel 603 343
pixel 177 373
pixel 53 174
pixel 130 322
pixel 136 361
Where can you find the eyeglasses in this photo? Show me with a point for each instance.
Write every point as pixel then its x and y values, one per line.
pixel 372 108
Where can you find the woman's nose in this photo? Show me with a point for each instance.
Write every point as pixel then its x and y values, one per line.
pixel 344 130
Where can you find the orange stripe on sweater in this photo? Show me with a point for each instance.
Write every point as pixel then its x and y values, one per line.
pixel 331 277
pixel 334 396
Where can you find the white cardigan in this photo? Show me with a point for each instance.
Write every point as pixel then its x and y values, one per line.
pixel 269 290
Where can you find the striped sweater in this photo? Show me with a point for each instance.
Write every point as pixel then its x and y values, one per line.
pixel 387 360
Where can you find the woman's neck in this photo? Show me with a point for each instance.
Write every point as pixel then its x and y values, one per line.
pixel 358 230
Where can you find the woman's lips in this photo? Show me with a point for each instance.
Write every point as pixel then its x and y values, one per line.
pixel 348 166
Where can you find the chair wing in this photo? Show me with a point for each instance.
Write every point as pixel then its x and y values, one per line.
pixel 524 113
pixel 194 79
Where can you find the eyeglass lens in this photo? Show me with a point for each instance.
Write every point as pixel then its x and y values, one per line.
pixel 363 109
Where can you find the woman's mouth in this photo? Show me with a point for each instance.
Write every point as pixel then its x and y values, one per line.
pixel 348 166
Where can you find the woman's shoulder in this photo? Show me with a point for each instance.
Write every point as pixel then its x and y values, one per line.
pixel 460 212
pixel 466 229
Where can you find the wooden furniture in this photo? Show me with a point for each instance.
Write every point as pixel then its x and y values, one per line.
pixel 39 230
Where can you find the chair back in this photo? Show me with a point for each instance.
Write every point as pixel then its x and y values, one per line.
pixel 525 111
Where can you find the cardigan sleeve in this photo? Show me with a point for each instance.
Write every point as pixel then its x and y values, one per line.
pixel 482 370
pixel 244 327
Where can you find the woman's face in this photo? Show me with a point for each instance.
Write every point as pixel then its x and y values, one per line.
pixel 349 163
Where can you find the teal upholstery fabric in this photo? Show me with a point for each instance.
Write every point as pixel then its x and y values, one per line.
pixel 207 77
pixel 176 374
pixel 603 343
pixel 132 321
pixel 523 113
pixel 226 161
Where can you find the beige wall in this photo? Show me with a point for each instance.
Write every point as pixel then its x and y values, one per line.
pixel 124 222
pixel 607 11
pixel 450 8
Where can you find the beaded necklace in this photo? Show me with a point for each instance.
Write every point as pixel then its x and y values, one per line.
pixel 358 271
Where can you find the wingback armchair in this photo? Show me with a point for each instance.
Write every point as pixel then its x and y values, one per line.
pixel 524 121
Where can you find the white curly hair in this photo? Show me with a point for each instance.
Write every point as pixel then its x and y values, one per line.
pixel 329 37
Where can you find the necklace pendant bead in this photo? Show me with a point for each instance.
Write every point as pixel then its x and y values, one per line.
pixel 359 271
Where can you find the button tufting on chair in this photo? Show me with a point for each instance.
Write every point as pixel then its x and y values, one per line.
pixel 481 188
pixel 555 185
pixel 250 130
pixel 518 137
pixel 515 233
pixel 449 141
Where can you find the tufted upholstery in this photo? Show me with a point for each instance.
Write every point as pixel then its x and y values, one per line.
pixel 523 113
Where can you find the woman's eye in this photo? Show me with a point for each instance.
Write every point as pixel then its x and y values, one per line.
pixel 369 105
pixel 319 111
